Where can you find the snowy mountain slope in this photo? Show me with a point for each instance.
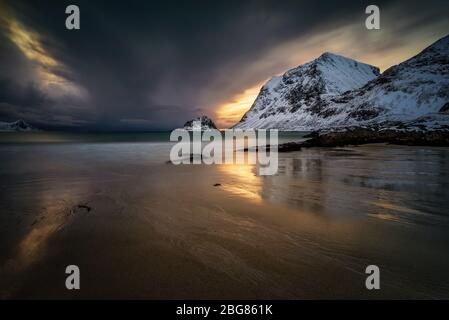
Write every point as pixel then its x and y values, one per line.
pixel 16 126
pixel 428 122
pixel 294 99
pixel 412 89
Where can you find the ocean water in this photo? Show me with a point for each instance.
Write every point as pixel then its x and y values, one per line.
pixel 117 137
pixel 139 227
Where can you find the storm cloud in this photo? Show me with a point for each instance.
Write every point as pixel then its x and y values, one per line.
pixel 152 65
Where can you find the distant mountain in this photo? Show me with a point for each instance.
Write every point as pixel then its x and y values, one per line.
pixel 16 126
pixel 206 123
pixel 412 92
pixel 294 101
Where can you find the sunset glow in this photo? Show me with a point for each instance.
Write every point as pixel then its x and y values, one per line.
pixel 231 112
pixel 45 65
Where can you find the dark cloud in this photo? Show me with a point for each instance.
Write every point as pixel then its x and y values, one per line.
pixel 155 64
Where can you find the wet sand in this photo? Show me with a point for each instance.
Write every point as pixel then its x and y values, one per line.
pixel 159 231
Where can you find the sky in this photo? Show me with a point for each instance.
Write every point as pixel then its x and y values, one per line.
pixel 153 65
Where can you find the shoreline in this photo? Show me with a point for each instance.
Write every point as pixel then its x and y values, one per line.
pixel 362 136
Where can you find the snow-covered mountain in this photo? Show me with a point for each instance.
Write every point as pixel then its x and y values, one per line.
pixel 206 123
pixel 410 90
pixel 294 100
pixel 16 126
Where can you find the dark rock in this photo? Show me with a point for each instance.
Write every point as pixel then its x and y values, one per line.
pixel 85 207
pixel 217 184
pixel 289 146
pixel 313 134
pixel 364 114
pixel 284 147
pixel 267 147
pixel 445 108
pixel 359 136
pixel 206 122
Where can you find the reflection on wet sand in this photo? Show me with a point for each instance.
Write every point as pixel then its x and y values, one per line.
pixel 243 181
pixel 51 214
pixel 164 231
pixel 387 210
pixel 408 184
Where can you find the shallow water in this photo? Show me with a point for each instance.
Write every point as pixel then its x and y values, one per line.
pixel 156 230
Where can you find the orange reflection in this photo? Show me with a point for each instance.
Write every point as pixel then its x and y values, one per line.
pixel 383 204
pixel 31 248
pixel 55 215
pixel 243 181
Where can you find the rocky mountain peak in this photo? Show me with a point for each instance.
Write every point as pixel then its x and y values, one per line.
pixel 206 123
pixel 335 91
pixel 16 126
pixel 300 90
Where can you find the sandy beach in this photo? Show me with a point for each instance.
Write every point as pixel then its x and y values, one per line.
pixel 140 228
